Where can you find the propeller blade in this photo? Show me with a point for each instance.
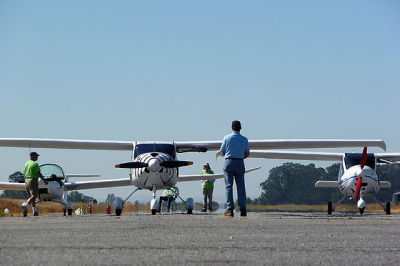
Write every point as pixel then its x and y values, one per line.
pixel 174 164
pixel 131 165
pixel 358 189
pixel 364 158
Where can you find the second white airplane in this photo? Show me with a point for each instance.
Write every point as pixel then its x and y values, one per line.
pixel 357 176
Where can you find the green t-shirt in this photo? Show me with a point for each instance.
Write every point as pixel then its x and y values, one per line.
pixel 208 184
pixel 31 170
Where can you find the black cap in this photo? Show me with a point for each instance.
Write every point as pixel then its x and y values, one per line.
pixel 236 124
pixel 33 154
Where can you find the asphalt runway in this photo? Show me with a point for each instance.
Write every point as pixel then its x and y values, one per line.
pixel 202 239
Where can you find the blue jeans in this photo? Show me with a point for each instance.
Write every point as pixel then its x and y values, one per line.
pixel 234 170
pixel 169 199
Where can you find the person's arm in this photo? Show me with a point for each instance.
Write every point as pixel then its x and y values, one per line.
pixel 223 153
pixel 246 154
pixel 41 176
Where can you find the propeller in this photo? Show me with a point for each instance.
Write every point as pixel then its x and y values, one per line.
pixel 131 165
pixel 168 164
pixel 174 164
pixel 359 181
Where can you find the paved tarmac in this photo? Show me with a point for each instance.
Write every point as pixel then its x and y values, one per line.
pixel 201 239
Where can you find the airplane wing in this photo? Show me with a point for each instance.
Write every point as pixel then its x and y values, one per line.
pixel 97 184
pixel 12 186
pixel 183 178
pixel 188 146
pixel 294 155
pixel 80 175
pixel 66 144
pixel 387 157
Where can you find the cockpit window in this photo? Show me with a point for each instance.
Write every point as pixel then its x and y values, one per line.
pixel 52 172
pixel 155 147
pixel 352 159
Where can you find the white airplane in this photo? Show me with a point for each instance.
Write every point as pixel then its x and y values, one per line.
pixel 154 165
pixel 55 190
pixel 357 175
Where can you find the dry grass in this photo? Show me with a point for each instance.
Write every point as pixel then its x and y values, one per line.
pixel 14 207
pixel 371 208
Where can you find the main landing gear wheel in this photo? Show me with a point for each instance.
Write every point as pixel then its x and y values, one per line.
pixel 329 208
pixel 189 211
pixel 387 208
pixel 118 212
pixel 153 212
pixel 362 210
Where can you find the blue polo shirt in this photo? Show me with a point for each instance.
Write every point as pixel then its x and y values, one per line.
pixel 235 145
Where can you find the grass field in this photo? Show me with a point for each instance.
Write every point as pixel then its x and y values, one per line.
pixel 14 207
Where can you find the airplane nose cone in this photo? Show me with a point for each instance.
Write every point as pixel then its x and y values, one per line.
pixel 154 165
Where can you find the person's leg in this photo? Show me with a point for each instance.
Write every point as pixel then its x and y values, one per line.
pixel 228 176
pixel 240 185
pixel 210 196
pixel 32 200
pixel 170 199
pixel 204 199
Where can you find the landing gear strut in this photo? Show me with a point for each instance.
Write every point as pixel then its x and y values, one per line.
pixel 386 207
pixel 119 204
pixel 332 207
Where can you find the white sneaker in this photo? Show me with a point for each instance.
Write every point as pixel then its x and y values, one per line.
pixel 25 206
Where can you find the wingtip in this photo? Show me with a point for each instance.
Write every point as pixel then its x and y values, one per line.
pixel 383 145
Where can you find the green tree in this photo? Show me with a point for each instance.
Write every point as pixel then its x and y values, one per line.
pixel 391 173
pixel 293 183
pixel 110 198
pixel 17 177
pixel 75 196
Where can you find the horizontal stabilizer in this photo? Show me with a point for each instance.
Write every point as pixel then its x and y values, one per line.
pixel 327 184
pixel 385 184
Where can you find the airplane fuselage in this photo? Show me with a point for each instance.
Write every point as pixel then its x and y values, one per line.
pixel 153 154
pixel 53 191
pixel 351 171
pixel 154 174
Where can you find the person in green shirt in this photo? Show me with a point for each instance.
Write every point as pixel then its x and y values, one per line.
pixel 169 195
pixel 32 174
pixel 208 188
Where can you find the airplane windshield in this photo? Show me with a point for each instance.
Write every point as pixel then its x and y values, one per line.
pixel 352 159
pixel 155 147
pixel 52 172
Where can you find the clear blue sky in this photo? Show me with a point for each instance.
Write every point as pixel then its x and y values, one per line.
pixel 183 70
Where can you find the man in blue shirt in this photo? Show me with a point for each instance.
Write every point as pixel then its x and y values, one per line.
pixel 235 148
